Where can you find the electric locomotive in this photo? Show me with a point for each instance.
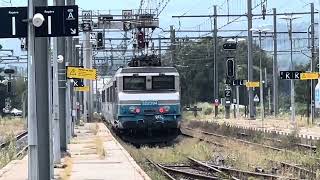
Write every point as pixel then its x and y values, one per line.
pixel 143 98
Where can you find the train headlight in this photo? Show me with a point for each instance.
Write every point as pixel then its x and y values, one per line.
pixel 167 108
pixel 132 109
pixel 164 109
pixel 137 110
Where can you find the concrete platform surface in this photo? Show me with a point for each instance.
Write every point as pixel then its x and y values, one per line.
pixel 15 170
pixel 117 164
pixel 86 163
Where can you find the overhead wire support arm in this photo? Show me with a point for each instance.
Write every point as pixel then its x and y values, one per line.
pixel 241 15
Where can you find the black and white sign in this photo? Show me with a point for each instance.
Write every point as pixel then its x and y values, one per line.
pixel 78 83
pixel 93 36
pixel 290 74
pixel 236 82
pixel 86 16
pixel 86 27
pixel 59 21
pixel 227 93
pixel 127 14
pixel 13 23
pixel 256 98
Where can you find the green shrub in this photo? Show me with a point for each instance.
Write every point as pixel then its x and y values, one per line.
pixel 208 111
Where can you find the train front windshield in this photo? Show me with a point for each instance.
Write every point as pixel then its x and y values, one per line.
pixel 159 83
pixel 163 83
pixel 134 83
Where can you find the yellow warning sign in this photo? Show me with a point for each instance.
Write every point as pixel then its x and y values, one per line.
pixel 84 88
pixel 253 84
pixel 308 76
pixel 81 73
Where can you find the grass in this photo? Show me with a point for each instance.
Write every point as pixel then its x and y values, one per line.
pixel 172 154
pixel 9 153
pixel 100 147
pixel 207 114
pixel 66 173
pixel 10 125
pixel 235 154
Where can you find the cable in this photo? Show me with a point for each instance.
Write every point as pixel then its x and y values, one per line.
pixel 167 2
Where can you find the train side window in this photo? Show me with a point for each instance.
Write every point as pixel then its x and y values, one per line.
pixel 112 94
pixel 103 96
pixel 108 92
pixel 111 100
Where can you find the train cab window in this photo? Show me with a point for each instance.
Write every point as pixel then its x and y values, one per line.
pixel 134 83
pixel 163 83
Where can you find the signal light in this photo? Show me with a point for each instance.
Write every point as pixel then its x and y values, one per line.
pixel 230 46
pixel 141 40
pixel 100 40
pixel 230 67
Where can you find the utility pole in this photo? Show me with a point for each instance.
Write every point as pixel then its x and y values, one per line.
pixel 275 65
pixel 293 113
pixel 38 115
pixel 86 64
pixel 55 104
pixel 250 66
pixel 293 109
pixel 261 79
pixel 268 90
pixel 159 41
pixel 62 88
pixel 215 71
pixel 68 61
pixel 33 147
pixel 78 94
pixel 313 57
pixel 173 46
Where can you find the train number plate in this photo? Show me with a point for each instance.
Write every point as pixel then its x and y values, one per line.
pixel 159 117
pixel 149 103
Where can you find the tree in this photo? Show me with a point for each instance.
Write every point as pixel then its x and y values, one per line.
pixel 194 61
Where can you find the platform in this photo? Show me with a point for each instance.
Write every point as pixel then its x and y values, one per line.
pixel 86 162
pixel 116 165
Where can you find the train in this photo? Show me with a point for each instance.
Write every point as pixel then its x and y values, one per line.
pixel 143 100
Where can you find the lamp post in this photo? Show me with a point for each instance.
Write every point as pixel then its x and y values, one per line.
pixel 293 113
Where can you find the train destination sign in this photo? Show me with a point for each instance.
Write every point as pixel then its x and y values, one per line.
pixel 81 73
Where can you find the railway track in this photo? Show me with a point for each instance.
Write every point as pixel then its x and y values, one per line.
pixel 21 144
pixel 240 140
pixel 203 170
pixel 226 137
pixel 301 172
pixel 19 137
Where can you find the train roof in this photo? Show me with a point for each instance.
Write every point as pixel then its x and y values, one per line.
pixel 148 70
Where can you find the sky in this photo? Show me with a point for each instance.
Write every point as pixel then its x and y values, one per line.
pixel 187 7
